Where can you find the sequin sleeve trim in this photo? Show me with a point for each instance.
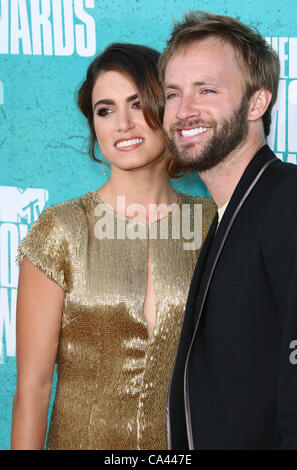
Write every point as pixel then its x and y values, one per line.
pixel 46 247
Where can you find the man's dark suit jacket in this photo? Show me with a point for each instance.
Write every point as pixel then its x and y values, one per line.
pixel 234 384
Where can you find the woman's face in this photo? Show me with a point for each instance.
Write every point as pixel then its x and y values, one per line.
pixel 124 137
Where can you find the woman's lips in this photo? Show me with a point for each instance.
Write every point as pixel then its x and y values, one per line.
pixel 128 144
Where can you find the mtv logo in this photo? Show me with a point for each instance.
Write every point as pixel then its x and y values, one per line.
pixel 21 206
pixel 18 210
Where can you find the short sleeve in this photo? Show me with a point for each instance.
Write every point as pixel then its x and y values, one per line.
pixel 45 245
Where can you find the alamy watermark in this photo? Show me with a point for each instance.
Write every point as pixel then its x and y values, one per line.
pixel 154 222
pixel 293 355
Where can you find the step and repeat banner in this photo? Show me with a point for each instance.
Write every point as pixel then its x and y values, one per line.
pixel 45 49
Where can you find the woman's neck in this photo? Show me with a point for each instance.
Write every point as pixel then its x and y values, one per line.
pixel 144 187
pixel 141 186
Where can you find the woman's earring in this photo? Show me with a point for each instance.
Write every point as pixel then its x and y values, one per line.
pixel 102 168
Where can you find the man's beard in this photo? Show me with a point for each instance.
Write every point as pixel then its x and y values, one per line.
pixel 230 133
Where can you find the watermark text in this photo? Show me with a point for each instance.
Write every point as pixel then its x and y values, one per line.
pixel 157 221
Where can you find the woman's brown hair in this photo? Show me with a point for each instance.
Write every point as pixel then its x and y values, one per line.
pixel 139 63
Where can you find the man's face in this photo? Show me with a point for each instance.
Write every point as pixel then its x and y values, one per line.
pixel 206 109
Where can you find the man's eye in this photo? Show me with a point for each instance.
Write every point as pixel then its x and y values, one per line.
pixel 170 96
pixel 103 112
pixel 207 91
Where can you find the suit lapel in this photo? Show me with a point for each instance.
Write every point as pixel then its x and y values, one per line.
pixel 205 271
pixel 200 265
pixel 187 328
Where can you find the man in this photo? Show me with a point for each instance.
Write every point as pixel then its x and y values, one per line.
pixel 234 384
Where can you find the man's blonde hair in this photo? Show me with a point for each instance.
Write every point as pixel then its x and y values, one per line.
pixel 258 61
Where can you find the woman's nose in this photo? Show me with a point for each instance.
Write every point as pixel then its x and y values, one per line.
pixel 124 121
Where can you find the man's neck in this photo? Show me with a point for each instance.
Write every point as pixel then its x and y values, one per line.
pixel 222 180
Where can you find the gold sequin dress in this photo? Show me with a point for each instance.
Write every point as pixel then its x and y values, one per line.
pixel 112 377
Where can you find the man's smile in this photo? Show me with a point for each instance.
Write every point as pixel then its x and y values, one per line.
pixel 185 135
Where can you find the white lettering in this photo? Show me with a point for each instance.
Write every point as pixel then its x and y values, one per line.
pixel 293 355
pixel 63 45
pixel 85 37
pixel 196 234
pixel 293 57
pixel 49 27
pixel 135 229
pixel 134 222
pixel 23 230
pixel 40 20
pixel 277 136
pixel 175 222
pixel 115 460
pixel 18 210
pixel 9 239
pixel 159 211
pixel 121 221
pixel 280 156
pixel 292 158
pixel 20 27
pixel 292 116
pixel 283 57
pixel 104 227
pixel 8 320
pixel 4 27
pixel 274 43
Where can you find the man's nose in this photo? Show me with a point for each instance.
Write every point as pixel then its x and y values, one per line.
pixel 188 108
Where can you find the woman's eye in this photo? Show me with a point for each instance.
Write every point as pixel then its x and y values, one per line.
pixel 137 105
pixel 103 112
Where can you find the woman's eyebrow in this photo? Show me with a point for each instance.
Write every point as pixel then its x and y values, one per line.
pixel 132 97
pixel 105 101
pixel 111 102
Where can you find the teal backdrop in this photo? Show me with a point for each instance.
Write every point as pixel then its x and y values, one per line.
pixel 45 49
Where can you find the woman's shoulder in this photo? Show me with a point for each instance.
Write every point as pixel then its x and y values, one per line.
pixel 70 212
pixel 48 243
pixel 62 221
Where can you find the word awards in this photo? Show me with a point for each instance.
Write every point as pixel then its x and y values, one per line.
pixel 47 27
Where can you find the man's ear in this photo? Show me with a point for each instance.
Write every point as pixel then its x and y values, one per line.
pixel 258 104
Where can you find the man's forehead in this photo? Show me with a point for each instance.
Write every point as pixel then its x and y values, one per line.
pixel 196 46
pixel 204 79
pixel 207 52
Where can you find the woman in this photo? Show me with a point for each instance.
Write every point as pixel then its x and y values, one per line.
pixel 102 285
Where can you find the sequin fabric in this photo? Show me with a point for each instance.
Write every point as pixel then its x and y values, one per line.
pixel 112 377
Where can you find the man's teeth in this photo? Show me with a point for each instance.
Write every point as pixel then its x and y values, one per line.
pixel 127 143
pixel 194 131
